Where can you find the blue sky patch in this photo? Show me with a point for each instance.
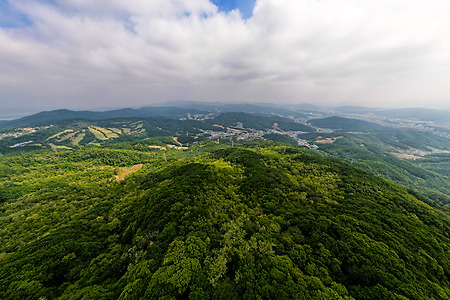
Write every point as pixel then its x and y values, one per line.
pixel 244 6
pixel 10 18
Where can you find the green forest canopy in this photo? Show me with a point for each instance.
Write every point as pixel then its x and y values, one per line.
pixel 264 222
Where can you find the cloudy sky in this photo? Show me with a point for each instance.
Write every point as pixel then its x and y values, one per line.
pixel 84 54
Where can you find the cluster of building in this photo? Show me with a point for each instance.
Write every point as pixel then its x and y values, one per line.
pixel 440 132
pixel 198 117
pixel 18 132
pixel 236 134
pixel 240 134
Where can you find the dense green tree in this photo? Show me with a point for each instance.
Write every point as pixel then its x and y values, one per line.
pixel 261 222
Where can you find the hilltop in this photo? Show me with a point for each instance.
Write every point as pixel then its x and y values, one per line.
pixel 264 221
pixel 411 153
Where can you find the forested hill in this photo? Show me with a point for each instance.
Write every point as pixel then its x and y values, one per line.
pixel 259 122
pixel 345 124
pixel 50 117
pixel 263 222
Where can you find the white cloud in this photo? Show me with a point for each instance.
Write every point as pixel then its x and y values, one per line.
pixel 120 53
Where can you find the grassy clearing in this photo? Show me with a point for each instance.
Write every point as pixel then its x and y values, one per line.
pixel 137 125
pixel 63 147
pixel 116 130
pixel 123 172
pixel 53 148
pixel 67 136
pixel 98 134
pixel 78 138
pixel 57 135
pixel 106 132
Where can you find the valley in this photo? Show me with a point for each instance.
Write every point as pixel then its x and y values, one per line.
pixel 402 153
pixel 225 205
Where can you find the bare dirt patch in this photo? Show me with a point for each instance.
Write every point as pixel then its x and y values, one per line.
pixel 157 147
pixel 329 140
pixel 406 156
pixel 125 171
pixel 175 138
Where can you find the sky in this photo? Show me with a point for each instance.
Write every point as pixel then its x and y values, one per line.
pixel 87 54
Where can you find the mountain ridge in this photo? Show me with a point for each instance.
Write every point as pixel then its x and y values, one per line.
pixel 46 117
pixel 263 221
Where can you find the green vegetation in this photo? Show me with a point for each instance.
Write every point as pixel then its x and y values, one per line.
pixel 116 130
pixel 67 136
pixel 99 134
pixel 61 115
pixel 108 133
pixel 215 222
pixel 259 122
pixel 81 133
pixel 428 177
pixel 400 138
pixel 438 163
pixel 409 138
pixel 345 124
pixel 274 137
pixel 59 134
pixel 78 138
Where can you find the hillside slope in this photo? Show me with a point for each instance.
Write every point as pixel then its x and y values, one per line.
pixel 425 175
pixel 345 124
pixel 259 122
pixel 55 116
pixel 258 223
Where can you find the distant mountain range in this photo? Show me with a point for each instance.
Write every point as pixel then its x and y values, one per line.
pixel 422 114
pixel 178 110
pixel 259 122
pixel 352 137
pixel 417 113
pixel 46 117
pixel 345 124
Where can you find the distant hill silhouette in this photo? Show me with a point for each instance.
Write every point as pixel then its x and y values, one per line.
pixel 259 122
pixel 345 124
pixel 47 117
